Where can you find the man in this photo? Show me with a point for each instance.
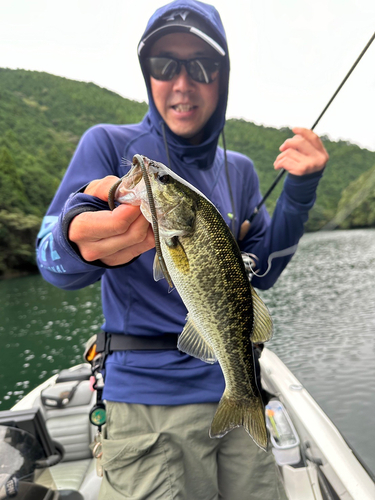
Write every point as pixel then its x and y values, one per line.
pixel 159 401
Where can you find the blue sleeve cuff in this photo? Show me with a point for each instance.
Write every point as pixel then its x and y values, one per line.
pixel 301 189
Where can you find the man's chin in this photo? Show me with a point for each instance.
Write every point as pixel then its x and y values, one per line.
pixel 192 135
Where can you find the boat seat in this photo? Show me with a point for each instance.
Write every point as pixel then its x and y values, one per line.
pixel 72 430
pixel 78 476
pixel 70 426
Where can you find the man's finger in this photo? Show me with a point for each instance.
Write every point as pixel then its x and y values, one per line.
pixel 127 254
pixel 135 234
pixel 295 154
pixel 299 143
pixel 245 226
pixel 139 235
pixel 100 187
pixel 310 136
pixel 94 226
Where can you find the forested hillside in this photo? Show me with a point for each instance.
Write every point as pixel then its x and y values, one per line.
pixel 357 204
pixel 42 117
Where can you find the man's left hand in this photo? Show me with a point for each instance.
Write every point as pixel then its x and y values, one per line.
pixel 302 154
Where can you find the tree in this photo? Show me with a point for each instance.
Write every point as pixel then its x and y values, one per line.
pixel 17 237
pixel 12 190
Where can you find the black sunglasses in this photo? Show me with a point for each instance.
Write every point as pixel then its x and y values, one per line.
pixel 201 69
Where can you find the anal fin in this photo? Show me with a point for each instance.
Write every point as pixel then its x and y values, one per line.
pixel 262 327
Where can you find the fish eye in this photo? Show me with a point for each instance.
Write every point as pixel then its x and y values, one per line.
pixel 164 179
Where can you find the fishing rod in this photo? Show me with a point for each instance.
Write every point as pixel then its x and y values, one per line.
pixel 282 171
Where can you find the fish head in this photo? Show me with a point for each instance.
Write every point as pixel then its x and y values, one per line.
pixel 175 200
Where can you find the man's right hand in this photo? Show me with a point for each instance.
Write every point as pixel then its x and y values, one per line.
pixel 114 237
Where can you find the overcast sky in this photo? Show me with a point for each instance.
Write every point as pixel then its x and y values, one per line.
pixel 287 56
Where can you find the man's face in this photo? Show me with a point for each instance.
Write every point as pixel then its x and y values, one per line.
pixel 184 104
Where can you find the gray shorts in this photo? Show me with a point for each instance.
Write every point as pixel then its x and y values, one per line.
pixel 165 453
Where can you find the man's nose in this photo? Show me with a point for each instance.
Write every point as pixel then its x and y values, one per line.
pixel 183 82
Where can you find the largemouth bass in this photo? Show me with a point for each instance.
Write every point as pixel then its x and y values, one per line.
pixel 200 256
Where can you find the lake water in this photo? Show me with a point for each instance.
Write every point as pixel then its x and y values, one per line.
pixel 323 308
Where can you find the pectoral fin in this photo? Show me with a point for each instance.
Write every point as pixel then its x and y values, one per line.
pixel 160 270
pixel 192 342
pixel 263 327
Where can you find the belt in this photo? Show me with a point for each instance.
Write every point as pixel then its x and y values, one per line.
pixel 108 342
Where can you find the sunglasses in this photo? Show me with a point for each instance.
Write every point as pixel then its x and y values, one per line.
pixel 201 69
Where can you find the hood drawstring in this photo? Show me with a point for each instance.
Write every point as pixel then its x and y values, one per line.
pixel 233 218
pixel 166 144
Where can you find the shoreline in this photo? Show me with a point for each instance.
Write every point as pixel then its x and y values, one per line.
pixel 14 273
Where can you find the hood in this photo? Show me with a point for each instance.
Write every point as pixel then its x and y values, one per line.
pixel 197 156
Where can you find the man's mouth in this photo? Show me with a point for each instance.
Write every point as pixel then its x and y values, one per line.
pixel 183 108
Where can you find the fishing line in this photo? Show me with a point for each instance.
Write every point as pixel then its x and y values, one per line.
pixel 282 171
pixel 166 145
pixel 273 255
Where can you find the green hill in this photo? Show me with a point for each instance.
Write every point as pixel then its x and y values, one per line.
pixel 357 204
pixel 347 162
pixel 42 117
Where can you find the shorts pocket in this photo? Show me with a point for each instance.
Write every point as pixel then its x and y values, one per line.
pixel 123 452
pixel 136 468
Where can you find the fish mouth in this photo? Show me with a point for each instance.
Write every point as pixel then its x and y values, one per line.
pixel 133 177
pixel 131 188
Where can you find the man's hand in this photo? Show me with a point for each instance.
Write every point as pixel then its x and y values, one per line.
pixel 114 237
pixel 302 154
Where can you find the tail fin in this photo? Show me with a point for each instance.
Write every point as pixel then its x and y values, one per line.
pixel 232 413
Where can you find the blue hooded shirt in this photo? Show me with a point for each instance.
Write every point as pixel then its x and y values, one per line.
pixel 133 303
